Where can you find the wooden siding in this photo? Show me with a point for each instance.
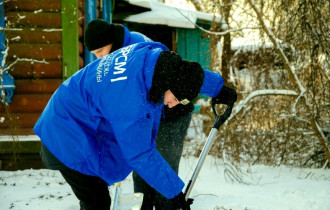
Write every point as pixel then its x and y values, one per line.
pixel 34 30
pixel 32 70
pixel 20 155
pixel 33 5
pixel 35 51
pixel 34 34
pixel 35 41
pixel 38 35
pixel 32 19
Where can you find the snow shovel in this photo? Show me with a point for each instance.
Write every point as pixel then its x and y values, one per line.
pixel 125 201
pixel 219 121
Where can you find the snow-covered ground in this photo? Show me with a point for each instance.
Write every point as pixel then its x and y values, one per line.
pixel 264 188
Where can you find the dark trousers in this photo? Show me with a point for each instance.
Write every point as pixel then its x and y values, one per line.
pixel 169 143
pixel 91 191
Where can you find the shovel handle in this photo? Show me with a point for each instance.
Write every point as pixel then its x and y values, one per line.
pixel 219 121
pixel 115 199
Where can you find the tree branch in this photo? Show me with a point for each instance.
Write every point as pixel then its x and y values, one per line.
pixel 217 33
pixel 25 59
pixel 294 79
pixel 257 93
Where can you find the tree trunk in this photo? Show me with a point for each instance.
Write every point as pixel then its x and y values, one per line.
pixel 226 53
pixel 197 5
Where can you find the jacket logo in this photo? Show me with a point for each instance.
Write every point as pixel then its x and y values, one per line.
pixel 120 63
pixel 103 67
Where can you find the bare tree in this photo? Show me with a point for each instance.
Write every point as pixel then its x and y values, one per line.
pixel 283 80
pixel 296 81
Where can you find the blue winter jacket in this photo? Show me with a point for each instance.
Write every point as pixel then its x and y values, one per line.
pixel 133 37
pixel 101 123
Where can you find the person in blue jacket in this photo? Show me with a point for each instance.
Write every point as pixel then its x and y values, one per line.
pixel 101 38
pixel 102 122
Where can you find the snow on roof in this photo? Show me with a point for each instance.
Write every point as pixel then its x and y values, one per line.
pixel 167 15
pixel 250 43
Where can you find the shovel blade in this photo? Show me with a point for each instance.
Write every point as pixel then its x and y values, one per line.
pixel 129 201
pixel 132 201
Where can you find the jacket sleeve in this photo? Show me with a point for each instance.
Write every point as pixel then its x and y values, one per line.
pixel 135 140
pixel 212 84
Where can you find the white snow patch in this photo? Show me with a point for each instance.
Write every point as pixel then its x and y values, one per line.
pixel 19 138
pixel 270 188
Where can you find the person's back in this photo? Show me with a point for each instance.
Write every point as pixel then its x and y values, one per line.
pixel 87 112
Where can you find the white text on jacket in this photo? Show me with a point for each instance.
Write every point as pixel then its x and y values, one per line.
pixel 120 64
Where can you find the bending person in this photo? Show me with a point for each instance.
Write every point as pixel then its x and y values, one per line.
pixel 101 123
pixel 101 38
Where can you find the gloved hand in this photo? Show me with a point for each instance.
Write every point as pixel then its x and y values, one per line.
pixel 227 96
pixel 179 202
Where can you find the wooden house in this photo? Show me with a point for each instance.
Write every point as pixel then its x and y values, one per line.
pixel 45 46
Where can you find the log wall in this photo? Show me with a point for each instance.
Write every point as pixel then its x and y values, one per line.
pixel 34 34
pixel 35 57
pixel 33 31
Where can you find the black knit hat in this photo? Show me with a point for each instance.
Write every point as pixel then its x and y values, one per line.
pixel 188 82
pixel 183 78
pixel 100 33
